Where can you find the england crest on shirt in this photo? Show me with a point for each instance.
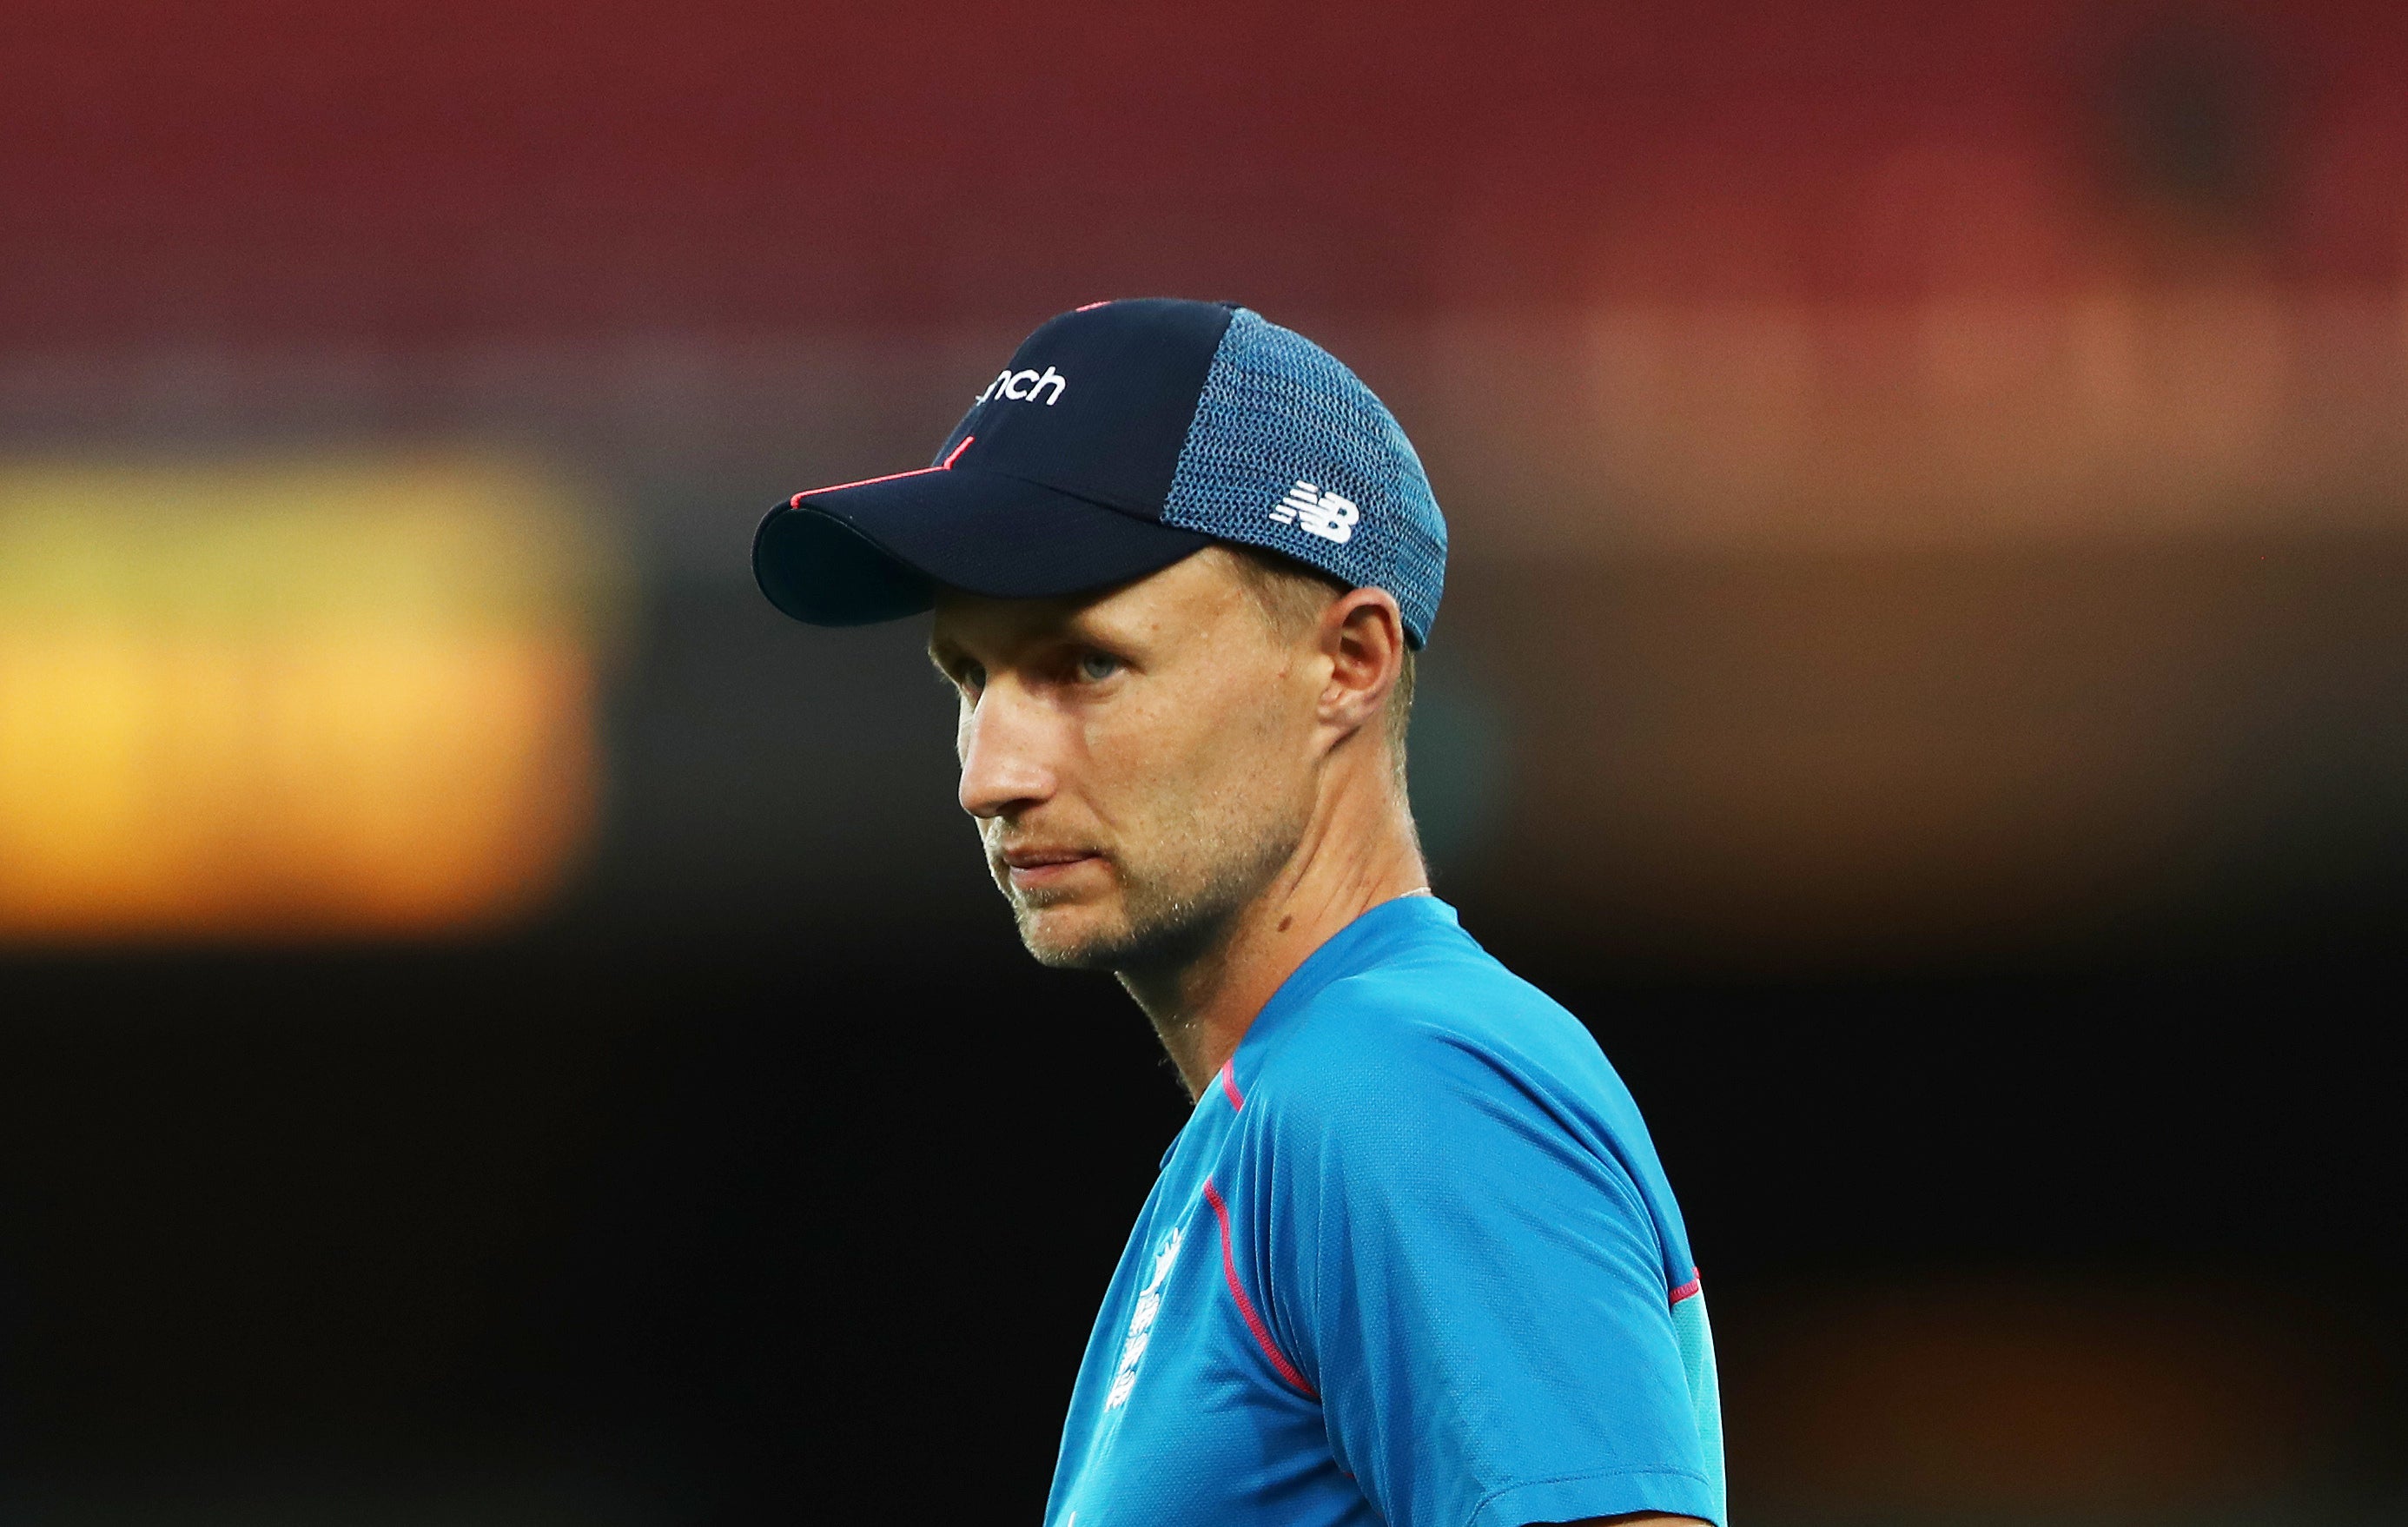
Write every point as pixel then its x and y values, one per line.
pixel 1141 1327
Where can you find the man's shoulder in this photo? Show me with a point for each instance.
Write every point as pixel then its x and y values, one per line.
pixel 1437 1071
pixel 1435 1018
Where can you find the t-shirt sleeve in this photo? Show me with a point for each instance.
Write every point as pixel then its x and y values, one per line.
pixel 1471 1281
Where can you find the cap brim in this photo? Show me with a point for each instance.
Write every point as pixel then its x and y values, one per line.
pixel 880 550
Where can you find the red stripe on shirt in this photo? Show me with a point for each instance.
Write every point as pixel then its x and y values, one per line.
pixel 1246 1305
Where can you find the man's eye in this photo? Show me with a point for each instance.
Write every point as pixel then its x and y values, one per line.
pixel 972 677
pixel 1094 667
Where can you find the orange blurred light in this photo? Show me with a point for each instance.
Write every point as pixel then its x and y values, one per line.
pixel 319 697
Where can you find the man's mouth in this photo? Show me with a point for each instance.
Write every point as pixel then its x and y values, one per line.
pixel 1036 869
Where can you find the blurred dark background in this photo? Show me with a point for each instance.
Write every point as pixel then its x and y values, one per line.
pixel 497 1026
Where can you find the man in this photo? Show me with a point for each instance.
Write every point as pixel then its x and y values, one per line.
pixel 1411 1259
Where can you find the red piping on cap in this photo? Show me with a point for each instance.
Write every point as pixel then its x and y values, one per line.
pixel 796 502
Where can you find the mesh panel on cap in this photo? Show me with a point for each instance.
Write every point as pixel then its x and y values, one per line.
pixel 1277 412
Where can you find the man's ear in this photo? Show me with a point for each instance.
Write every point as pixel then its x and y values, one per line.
pixel 1363 637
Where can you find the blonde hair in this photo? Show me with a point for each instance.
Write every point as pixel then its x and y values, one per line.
pixel 1291 594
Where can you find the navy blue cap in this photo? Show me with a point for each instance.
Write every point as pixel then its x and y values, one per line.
pixel 1122 437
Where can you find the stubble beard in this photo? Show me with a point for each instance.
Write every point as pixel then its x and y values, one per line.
pixel 1173 909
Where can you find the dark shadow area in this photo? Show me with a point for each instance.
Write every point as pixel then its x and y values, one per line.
pixel 595 1232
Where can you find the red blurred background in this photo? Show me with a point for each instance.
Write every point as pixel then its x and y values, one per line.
pixel 1923 675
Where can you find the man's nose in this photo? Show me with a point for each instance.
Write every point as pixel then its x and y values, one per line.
pixel 1004 768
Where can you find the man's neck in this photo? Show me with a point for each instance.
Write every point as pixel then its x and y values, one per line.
pixel 1343 868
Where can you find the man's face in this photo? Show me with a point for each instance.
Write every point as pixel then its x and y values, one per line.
pixel 1140 763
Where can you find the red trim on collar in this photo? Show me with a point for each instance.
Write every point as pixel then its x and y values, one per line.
pixel 1229 1084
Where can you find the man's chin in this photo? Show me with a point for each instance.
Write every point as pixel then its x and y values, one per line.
pixel 1072 937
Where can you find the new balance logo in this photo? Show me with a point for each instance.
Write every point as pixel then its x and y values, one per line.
pixel 1021 385
pixel 1316 512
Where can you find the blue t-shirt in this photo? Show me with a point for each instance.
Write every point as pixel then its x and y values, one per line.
pixel 1412 1260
